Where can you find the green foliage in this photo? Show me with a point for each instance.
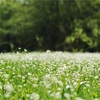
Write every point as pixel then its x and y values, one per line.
pixel 71 25
pixel 49 76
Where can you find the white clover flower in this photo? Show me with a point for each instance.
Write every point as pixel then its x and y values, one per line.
pixel 47 84
pixel 34 79
pixel 25 50
pixel 19 48
pixel 54 79
pixel 57 95
pixel 5 75
pixel 96 77
pixel 19 76
pixel 48 91
pixel 52 94
pixel 60 83
pixel 67 96
pixel 7 95
pixel 83 82
pixel 34 96
pixel 34 85
pixel 64 66
pixel 29 74
pixel 78 98
pixel 97 99
pixel 75 84
pixel 48 51
pixel 23 66
pixel 68 86
pixel 8 87
pixel 0 87
pixel 23 77
pixel 24 85
pixel 59 89
pixel 87 85
pixel 27 95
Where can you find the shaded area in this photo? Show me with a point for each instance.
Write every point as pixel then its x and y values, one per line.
pixel 67 25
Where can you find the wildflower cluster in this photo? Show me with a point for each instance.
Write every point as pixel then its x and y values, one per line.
pixel 50 76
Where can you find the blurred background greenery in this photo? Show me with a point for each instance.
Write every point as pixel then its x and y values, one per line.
pixel 57 25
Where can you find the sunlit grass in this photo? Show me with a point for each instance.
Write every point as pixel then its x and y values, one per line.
pixel 50 76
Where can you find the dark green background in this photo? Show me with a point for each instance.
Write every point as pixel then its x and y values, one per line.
pixel 66 25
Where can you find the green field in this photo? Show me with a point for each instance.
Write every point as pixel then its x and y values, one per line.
pixel 50 76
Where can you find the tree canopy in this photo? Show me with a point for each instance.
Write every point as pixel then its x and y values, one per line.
pixel 68 25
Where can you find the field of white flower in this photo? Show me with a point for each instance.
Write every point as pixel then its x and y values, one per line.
pixel 50 76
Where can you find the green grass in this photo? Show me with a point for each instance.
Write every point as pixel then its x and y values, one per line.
pixel 50 76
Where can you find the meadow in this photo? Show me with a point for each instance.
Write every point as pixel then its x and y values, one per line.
pixel 50 76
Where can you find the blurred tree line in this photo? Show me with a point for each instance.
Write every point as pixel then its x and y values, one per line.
pixel 71 25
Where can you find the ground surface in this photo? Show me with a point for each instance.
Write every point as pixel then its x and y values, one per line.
pixel 50 76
